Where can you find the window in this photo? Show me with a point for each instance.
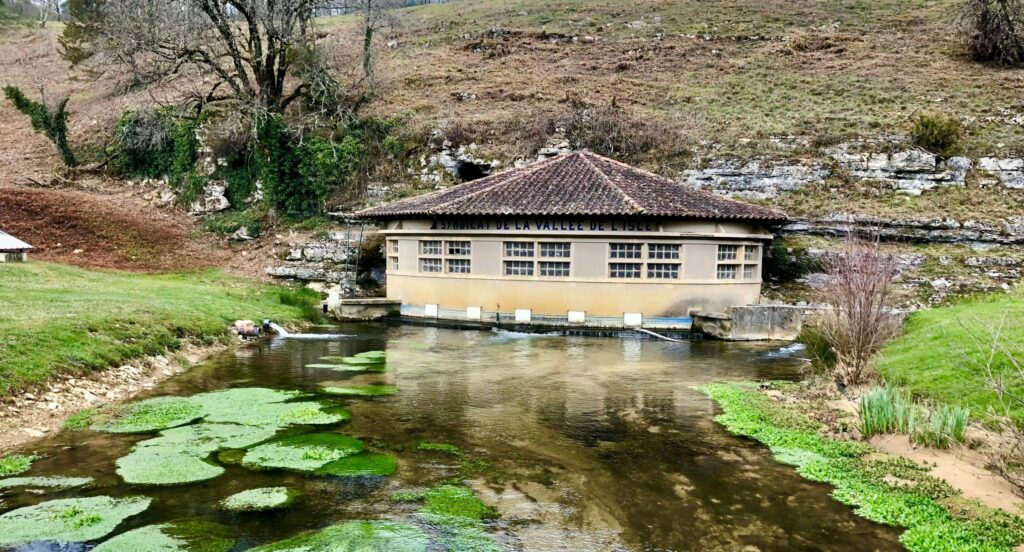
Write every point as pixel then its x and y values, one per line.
pixel 749 272
pixel 750 253
pixel 393 247
pixel 555 250
pixel 726 271
pixel 728 252
pixel 458 266
pixel 518 249
pixel 554 269
pixel 663 271
pixel 393 263
pixel 430 265
pixel 458 248
pixel 626 250
pixel 430 247
pixel 625 270
pixel 663 251
pixel 519 268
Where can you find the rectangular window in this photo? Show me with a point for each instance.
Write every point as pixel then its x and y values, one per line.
pixel 430 265
pixel 626 250
pixel 430 247
pixel 393 247
pixel 458 266
pixel 749 272
pixel 663 271
pixel 750 253
pixel 393 263
pixel 728 252
pixel 625 270
pixel 726 272
pixel 518 249
pixel 519 268
pixel 458 248
pixel 663 251
pixel 554 269
pixel 555 250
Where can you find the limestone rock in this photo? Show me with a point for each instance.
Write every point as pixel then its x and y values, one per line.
pixel 212 200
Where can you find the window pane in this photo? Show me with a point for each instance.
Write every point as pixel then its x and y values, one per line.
pixel 430 265
pixel 430 247
pixel 726 272
pixel 727 252
pixel 519 268
pixel 518 249
pixel 663 271
pixel 626 250
pixel 393 263
pixel 750 253
pixel 392 246
pixel 560 250
pixel 663 250
pixel 551 268
pixel 749 272
pixel 624 270
pixel 458 266
pixel 458 248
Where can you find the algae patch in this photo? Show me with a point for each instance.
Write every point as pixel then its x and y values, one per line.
pixel 152 415
pixel 355 536
pixel 361 465
pixel 302 453
pixel 367 367
pixel 68 520
pixel 361 391
pixel 259 500
pixel 13 464
pixel 55 482
pixel 458 516
pixel 174 536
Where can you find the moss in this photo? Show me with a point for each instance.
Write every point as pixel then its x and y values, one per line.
pixel 361 465
pixel 368 367
pixel 355 536
pixel 458 514
pixel 441 447
pixel 259 500
pixel 81 420
pixel 407 496
pixel 303 453
pixel 152 415
pixel 68 520
pixel 56 482
pixel 13 464
pixel 155 465
pixel 180 535
pixel 361 391
pixel 455 501
pixel 230 457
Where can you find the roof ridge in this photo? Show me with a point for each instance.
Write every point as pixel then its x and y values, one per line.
pixel 607 179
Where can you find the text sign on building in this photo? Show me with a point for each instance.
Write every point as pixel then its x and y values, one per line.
pixel 513 225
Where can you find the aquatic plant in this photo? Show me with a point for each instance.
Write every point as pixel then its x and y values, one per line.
pixel 303 453
pixel 355 536
pixel 941 427
pixel 361 391
pixel 156 465
pixel 346 367
pixel 190 535
pixel 68 520
pixel 886 410
pixel 359 465
pixel 265 407
pixel 379 356
pixel 440 447
pixel 892 491
pixel 407 496
pixel 458 516
pixel 13 464
pixel 56 482
pixel 152 415
pixel 81 419
pixel 362 360
pixel 259 500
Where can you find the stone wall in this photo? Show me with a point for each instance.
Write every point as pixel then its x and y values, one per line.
pixel 327 259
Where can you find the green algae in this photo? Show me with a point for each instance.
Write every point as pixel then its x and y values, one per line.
pixel 361 391
pixel 176 536
pixel 81 420
pixel 458 516
pixel 56 482
pixel 302 453
pixel 152 415
pixel 361 465
pixel 355 536
pixel 349 367
pixel 204 438
pixel 158 465
pixel 446 448
pixel 231 457
pixel 13 464
pixel 68 520
pixel 259 500
pixel 362 361
pixel 407 496
pixel 266 407
pixel 455 501
pixel 379 356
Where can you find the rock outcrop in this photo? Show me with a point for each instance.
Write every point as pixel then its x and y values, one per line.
pixel 945 230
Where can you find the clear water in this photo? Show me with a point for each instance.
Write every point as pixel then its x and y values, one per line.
pixel 595 444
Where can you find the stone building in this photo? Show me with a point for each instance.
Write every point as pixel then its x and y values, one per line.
pixel 12 249
pixel 575 239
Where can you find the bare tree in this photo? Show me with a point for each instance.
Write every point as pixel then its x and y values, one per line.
pixel 860 318
pixel 994 30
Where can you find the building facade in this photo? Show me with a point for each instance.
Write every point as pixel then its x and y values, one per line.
pixel 12 249
pixel 578 237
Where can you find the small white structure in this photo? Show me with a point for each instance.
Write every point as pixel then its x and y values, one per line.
pixel 12 249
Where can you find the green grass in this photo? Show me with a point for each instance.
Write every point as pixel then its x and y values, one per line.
pixel 931 357
pixel 60 319
pixel 14 464
pixel 893 410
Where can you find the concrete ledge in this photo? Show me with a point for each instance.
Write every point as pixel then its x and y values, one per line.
pixel 373 308
pixel 752 323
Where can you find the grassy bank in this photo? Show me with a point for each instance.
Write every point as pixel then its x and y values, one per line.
pixel 929 358
pixel 885 489
pixel 60 319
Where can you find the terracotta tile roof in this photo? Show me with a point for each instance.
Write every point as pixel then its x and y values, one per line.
pixel 575 184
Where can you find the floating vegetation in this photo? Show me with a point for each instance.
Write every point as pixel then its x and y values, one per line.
pixel 155 465
pixel 259 500
pixel 190 535
pixel 68 520
pixel 152 415
pixel 361 465
pixel 361 391
pixel 441 447
pixel 887 490
pixel 407 496
pixel 302 453
pixel 368 367
pixel 362 361
pixel 81 419
pixel 204 438
pixel 458 515
pixel 56 482
pixel 355 536
pixel 379 356
pixel 13 464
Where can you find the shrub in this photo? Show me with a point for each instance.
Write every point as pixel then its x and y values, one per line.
pixel 994 30
pixel 229 223
pixel 819 350
pixel 784 264
pixel 160 143
pixel 51 122
pixel 942 427
pixel 614 132
pixel 938 134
